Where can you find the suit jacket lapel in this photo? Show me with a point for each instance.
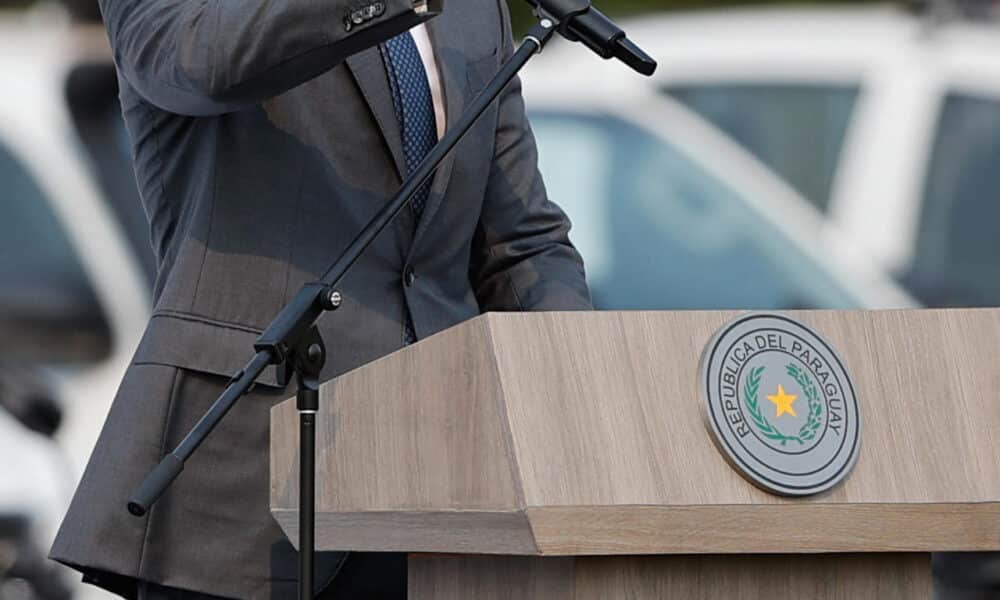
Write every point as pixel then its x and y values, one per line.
pixel 369 72
pixel 453 85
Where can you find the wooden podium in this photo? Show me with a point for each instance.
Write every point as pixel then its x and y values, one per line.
pixel 565 456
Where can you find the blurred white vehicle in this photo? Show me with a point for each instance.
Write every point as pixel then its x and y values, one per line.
pixel 670 213
pixel 73 296
pixel 886 121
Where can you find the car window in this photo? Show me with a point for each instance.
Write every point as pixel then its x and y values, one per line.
pixel 658 231
pixel 796 130
pixel 957 259
pixel 48 310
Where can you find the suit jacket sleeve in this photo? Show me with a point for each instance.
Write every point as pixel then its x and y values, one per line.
pixel 522 257
pixel 207 57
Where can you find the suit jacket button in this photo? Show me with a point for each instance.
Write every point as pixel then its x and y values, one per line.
pixel 409 276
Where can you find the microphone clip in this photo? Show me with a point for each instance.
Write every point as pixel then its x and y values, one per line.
pixel 562 12
pixel 579 21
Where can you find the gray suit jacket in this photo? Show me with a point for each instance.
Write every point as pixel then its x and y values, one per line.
pixel 260 152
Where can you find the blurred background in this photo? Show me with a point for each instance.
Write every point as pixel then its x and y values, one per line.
pixel 832 155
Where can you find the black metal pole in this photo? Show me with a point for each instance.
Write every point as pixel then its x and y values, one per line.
pixel 307 500
pixel 308 359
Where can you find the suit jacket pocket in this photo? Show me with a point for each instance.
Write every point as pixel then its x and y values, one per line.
pixel 199 344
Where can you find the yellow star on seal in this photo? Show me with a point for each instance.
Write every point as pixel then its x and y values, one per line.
pixel 783 402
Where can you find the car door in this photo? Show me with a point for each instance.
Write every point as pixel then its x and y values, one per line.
pixel 956 249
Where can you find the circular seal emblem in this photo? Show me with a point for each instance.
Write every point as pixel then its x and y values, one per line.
pixel 781 405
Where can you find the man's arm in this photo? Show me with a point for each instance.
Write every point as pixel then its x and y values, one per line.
pixel 522 256
pixel 205 57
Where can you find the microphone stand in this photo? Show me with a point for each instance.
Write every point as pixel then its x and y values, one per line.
pixel 293 342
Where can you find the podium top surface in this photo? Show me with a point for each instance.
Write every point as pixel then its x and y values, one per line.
pixel 585 433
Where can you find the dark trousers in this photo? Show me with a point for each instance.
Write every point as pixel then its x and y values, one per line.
pixel 364 576
pixel 966 575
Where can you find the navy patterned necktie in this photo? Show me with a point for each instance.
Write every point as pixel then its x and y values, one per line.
pixel 414 104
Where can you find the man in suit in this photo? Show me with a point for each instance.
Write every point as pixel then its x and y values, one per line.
pixel 263 142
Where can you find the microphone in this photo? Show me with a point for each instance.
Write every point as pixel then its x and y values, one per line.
pixel 581 22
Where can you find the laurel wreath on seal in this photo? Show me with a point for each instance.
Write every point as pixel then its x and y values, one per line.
pixel 809 428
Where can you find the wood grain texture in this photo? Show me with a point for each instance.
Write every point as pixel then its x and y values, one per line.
pixel 591 424
pixel 749 577
pixel 421 429
pixel 605 408
pixel 490 578
pixel 775 577
pixel 763 528
pixel 481 532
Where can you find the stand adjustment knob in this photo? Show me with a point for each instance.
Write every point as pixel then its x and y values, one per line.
pixel 332 299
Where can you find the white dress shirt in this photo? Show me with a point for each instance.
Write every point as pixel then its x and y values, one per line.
pixel 426 49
